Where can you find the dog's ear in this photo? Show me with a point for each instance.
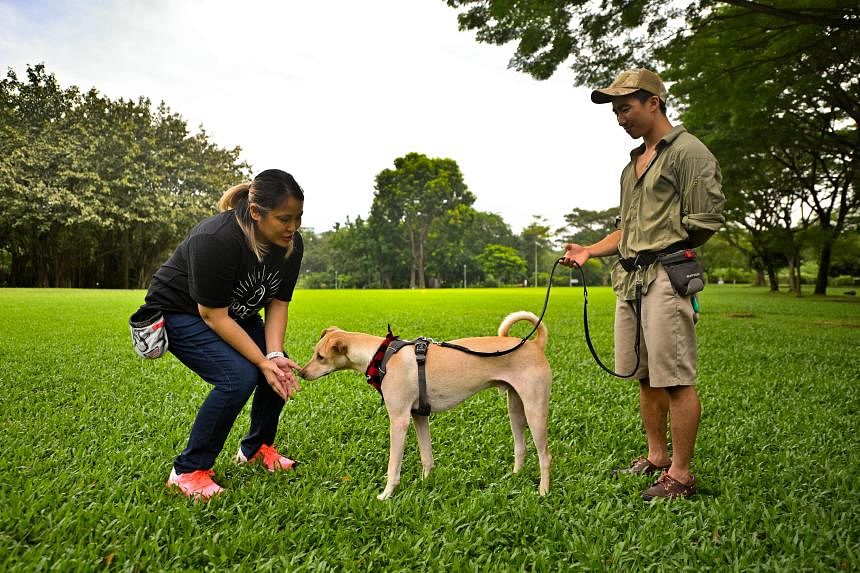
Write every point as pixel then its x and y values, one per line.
pixel 339 347
pixel 327 330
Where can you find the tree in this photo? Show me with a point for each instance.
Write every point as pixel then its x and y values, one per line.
pixel 726 255
pixel 388 244
pixel 770 85
pixel 534 241
pixel 598 39
pixel 586 227
pixel 458 237
pixel 414 194
pixel 786 105
pixel 502 264
pixel 97 192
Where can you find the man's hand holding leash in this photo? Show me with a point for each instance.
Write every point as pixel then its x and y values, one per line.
pixel 575 255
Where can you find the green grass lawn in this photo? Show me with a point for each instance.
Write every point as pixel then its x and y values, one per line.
pixel 89 432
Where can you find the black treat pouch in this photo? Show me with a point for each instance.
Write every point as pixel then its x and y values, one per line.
pixel 685 271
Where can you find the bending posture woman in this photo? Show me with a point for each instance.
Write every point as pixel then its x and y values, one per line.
pixel 210 291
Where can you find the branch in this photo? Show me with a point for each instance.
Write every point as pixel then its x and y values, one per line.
pixel 849 22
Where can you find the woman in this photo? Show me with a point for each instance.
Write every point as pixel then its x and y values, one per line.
pixel 210 292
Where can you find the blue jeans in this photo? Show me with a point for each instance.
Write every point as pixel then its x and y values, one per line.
pixel 233 378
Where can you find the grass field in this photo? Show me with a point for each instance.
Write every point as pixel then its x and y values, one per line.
pixel 89 432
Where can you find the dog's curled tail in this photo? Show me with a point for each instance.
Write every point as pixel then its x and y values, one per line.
pixel 540 337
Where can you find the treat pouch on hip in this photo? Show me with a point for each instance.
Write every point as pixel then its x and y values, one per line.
pixel 148 334
pixel 685 271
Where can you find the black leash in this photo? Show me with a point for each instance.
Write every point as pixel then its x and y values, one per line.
pixel 422 344
pixel 521 342
pixel 637 306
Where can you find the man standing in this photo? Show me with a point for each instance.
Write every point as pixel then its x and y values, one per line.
pixel 671 201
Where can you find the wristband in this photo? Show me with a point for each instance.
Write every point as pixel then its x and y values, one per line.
pixel 275 354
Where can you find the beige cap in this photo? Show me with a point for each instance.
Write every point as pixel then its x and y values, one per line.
pixel 628 82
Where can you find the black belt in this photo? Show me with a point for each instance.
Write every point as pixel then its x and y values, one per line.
pixel 648 258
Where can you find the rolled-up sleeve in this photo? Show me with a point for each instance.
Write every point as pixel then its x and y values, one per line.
pixel 702 192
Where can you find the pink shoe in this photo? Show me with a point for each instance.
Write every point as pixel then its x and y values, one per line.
pixel 197 484
pixel 269 457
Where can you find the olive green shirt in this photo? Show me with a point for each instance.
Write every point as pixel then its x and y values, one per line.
pixel 679 191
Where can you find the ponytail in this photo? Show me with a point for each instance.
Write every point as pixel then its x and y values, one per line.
pixel 237 199
pixel 233 195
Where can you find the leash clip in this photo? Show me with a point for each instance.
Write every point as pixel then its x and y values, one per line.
pixel 421 346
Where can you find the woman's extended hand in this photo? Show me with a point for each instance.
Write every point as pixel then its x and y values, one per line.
pixel 287 365
pixel 278 373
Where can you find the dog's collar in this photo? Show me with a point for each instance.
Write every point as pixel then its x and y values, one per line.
pixel 374 372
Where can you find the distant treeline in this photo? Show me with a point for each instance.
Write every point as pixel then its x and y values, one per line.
pixel 96 192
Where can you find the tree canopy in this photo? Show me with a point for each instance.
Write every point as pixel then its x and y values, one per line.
pixel 97 192
pixel 597 39
pixel 413 195
pixel 772 87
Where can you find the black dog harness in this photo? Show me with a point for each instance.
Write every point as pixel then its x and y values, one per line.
pixel 390 346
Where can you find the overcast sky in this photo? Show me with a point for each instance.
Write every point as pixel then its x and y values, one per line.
pixel 334 91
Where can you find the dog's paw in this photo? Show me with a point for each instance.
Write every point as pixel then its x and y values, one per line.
pixel 383 496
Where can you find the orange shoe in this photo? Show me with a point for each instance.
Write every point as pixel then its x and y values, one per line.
pixel 197 484
pixel 269 457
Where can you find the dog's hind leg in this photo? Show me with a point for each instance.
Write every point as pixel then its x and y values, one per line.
pixel 422 430
pixel 536 413
pixel 518 423
pixel 397 436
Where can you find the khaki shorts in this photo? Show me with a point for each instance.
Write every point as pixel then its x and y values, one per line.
pixel 668 344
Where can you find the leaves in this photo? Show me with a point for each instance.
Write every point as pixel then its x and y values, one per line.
pixel 770 86
pixel 97 192
pixel 410 197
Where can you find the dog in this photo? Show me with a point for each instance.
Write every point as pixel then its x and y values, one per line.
pixel 452 377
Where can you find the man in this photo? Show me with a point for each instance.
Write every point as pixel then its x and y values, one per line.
pixel 671 200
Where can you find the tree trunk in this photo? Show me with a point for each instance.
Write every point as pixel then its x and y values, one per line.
pixel 791 274
pixel 16 271
pixel 823 267
pixel 759 277
pixel 794 274
pixel 414 257
pixel 607 272
pixel 125 251
pixel 772 277
pixel 42 275
pixel 421 279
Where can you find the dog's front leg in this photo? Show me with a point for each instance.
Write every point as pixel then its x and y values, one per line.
pixel 422 430
pixel 397 437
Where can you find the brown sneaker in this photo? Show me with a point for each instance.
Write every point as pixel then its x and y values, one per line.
pixel 639 467
pixel 668 487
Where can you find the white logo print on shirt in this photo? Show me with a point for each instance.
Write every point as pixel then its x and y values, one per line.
pixel 253 293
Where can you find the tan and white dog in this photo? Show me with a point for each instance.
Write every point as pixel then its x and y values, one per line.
pixel 452 377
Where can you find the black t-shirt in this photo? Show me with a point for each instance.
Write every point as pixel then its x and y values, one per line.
pixel 214 266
